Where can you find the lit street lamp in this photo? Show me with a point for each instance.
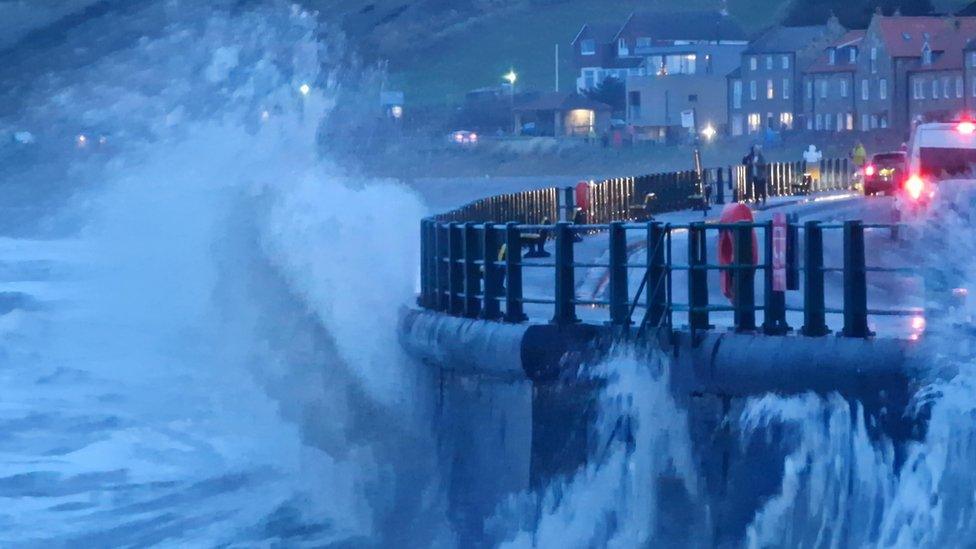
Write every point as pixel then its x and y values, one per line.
pixel 511 78
pixel 709 132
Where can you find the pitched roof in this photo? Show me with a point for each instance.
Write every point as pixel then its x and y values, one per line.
pixel 951 42
pixel 557 101
pixel 785 39
pixel 603 33
pixel 904 36
pixel 684 25
pixel 822 63
pixel 968 10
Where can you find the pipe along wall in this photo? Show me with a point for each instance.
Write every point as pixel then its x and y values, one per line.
pixel 516 408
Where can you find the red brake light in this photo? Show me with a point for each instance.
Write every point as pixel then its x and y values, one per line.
pixel 966 127
pixel 869 170
pixel 914 185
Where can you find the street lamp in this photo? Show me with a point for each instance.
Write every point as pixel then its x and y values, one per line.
pixel 709 132
pixel 511 78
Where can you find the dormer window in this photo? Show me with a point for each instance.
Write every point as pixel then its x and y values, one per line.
pixel 622 49
pixel 852 55
pixel 926 54
pixel 588 47
pixel 831 56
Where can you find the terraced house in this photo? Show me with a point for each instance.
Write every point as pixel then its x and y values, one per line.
pixel 765 91
pixel 828 85
pixel 938 82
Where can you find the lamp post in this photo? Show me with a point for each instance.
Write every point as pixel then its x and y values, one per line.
pixel 511 77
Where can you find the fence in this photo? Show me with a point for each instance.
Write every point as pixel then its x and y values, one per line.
pixel 463 275
pixel 640 198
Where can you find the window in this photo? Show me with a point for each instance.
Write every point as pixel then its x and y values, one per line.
pixel 843 88
pixel 874 121
pixel 918 88
pixel 786 120
pixel 785 62
pixel 945 87
pixel 680 64
pixel 786 88
pixel 809 123
pixel 737 124
pixel 884 121
pixel 809 87
pixel 753 63
pixel 926 54
pixel 874 60
pixel 752 90
pixel 865 89
pixel 770 93
pixel 819 124
pixel 622 48
pixel 643 44
pixel 960 88
pixel 974 87
pixel 831 56
pixel 883 88
pixel 852 55
pixel 588 47
pixel 850 121
pixel 823 89
pixel 769 62
pixel 972 59
pixel 865 125
pixel 634 102
pixel 737 94
pixel 935 88
pixel 828 121
pixel 589 79
pixel 840 122
pixel 755 121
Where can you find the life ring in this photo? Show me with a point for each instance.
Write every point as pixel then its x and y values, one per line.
pixel 583 195
pixel 733 213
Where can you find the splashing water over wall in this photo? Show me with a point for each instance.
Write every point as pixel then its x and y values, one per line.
pixel 219 363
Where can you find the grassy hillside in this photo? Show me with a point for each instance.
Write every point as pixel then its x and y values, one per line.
pixel 439 49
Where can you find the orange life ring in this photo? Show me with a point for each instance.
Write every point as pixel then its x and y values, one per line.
pixel 733 213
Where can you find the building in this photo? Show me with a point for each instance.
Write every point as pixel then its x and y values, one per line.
pixel 829 102
pixel 938 81
pixel 601 51
pixel 765 91
pixel 970 75
pixel 563 115
pixel 896 47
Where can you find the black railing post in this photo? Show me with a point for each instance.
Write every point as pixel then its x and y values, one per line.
pixel 697 278
pixel 443 267
pixel 744 288
pixel 657 296
pixel 569 204
pixel 565 307
pixel 855 282
pixel 814 307
pixel 472 275
pixel 425 276
pixel 720 186
pixel 514 311
pixel 792 253
pixel 774 302
pixel 455 242
pixel 619 291
pixel 490 305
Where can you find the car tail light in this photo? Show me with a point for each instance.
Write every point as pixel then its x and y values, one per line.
pixel 869 170
pixel 914 185
pixel 966 127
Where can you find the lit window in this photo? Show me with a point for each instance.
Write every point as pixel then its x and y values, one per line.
pixel 622 48
pixel 769 90
pixel 754 122
pixel 588 47
pixel 850 121
pixel 786 120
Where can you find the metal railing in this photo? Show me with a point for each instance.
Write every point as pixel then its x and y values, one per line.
pixel 465 273
pixel 640 198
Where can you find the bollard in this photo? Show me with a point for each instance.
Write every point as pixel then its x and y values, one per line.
pixel 455 269
pixel 697 278
pixel 774 302
pixel 472 274
pixel 719 186
pixel 855 282
pixel 514 311
pixel 814 307
pixel 565 306
pixel 490 305
pixel 657 296
pixel 619 291
pixel 743 280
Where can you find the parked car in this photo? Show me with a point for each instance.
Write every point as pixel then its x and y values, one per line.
pixel 464 138
pixel 885 173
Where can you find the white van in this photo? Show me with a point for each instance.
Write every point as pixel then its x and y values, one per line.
pixel 939 152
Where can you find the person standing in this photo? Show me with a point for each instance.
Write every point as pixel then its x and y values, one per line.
pixel 755 164
pixel 859 156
